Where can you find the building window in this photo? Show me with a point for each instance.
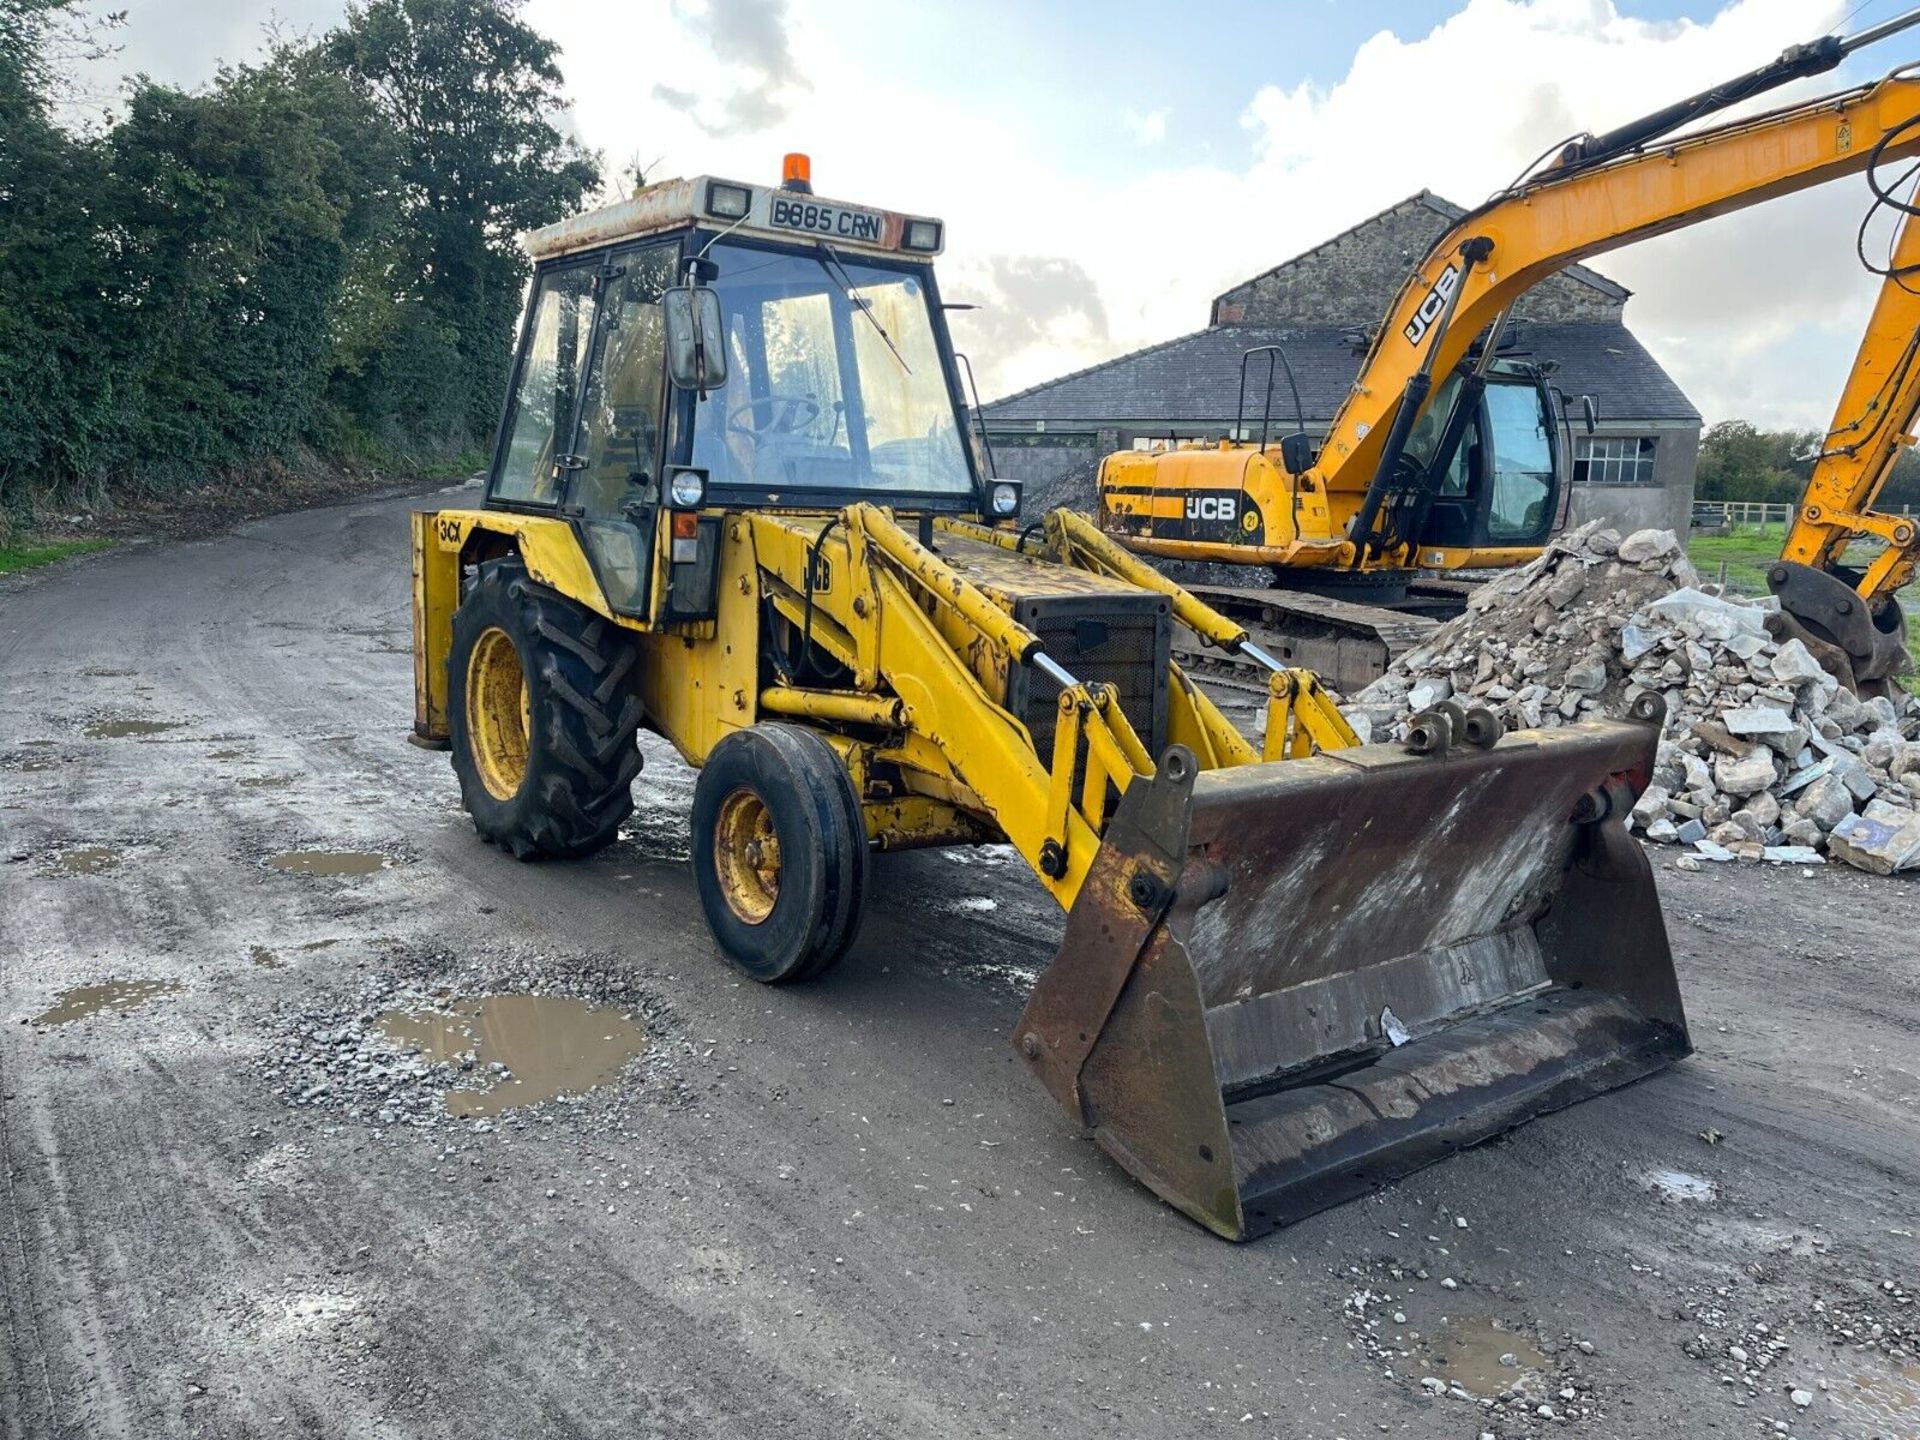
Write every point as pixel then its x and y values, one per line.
pixel 1613 460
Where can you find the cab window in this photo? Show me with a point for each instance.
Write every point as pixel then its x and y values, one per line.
pixel 620 418
pixel 1521 505
pixel 540 419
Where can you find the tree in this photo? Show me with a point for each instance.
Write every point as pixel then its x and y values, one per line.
pixel 1741 462
pixel 467 89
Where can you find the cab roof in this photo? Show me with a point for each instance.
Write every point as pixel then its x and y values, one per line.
pixel 769 211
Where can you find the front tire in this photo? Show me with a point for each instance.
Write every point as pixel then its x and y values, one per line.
pixel 779 852
pixel 542 716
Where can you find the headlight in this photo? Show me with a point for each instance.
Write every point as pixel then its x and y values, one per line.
pixel 687 489
pixel 1004 499
pixel 728 202
pixel 922 235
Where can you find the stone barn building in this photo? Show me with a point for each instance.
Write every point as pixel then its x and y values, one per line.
pixel 1636 469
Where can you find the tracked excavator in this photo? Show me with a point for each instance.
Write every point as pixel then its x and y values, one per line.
pixel 732 502
pixel 1444 458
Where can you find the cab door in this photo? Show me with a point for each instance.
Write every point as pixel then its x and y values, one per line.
pixel 618 445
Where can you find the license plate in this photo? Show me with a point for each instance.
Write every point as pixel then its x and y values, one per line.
pixel 833 222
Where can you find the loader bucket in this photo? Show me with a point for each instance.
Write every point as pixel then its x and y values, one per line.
pixel 1285 984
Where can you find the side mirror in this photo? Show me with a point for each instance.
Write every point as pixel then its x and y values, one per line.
pixel 696 338
pixel 1589 412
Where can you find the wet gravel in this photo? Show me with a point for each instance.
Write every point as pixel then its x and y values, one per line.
pixel 336 1059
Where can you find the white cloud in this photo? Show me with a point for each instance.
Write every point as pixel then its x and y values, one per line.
pixel 1147 128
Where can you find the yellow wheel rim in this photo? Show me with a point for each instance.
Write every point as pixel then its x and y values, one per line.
pixel 499 714
pixel 746 856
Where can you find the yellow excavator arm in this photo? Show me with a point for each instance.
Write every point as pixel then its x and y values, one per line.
pixel 1853 608
pixel 1361 504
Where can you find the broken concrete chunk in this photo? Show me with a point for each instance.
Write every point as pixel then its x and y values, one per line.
pixel 1877 846
pixel 1800 779
pixel 1745 775
pixel 1644 545
pixel 1794 664
pixel 1826 802
pixel 1853 772
pixel 1589 675
pixel 1719 854
pixel 1760 719
pixel 1428 692
pixel 1566 585
pixel 1800 831
pixel 1691 831
pixel 1791 855
pixel 1651 805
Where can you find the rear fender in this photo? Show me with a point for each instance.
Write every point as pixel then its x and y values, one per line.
pixel 446 540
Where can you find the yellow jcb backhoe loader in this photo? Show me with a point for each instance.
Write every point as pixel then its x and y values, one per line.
pixel 1848 615
pixel 733 500
pixel 1443 457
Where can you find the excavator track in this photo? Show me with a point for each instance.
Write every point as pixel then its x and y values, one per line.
pixel 1346 644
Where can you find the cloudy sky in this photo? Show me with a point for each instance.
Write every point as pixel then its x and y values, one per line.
pixel 1106 166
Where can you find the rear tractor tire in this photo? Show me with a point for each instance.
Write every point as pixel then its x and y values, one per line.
pixel 779 852
pixel 542 716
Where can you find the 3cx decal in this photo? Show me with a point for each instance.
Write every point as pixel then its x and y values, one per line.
pixel 448 530
pixel 1431 307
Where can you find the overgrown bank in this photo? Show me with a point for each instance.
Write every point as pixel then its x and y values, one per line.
pixel 310 258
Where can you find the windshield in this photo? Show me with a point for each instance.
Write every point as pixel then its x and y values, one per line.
pixel 1522 463
pixel 817 396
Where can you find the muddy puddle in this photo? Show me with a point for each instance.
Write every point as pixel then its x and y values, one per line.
pixel 1880 1394
pixel 1678 1185
pixel 86 860
pixel 264 958
pixel 116 995
pixel 1484 1358
pixel 545 1045
pixel 265 782
pixel 120 727
pixel 328 862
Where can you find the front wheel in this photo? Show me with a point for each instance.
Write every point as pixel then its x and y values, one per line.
pixel 779 852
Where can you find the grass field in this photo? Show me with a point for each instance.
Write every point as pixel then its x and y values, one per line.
pixel 1747 552
pixel 25 556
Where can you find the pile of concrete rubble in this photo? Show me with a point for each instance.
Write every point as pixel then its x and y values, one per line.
pixel 1765 756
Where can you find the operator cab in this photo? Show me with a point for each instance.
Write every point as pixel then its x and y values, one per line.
pixel 1500 486
pixel 708 343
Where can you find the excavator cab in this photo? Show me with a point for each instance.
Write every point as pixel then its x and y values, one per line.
pixel 1498 483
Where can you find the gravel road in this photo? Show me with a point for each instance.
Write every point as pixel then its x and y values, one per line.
pixel 233 900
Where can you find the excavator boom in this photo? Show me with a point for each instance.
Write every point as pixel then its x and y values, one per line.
pixel 1848 614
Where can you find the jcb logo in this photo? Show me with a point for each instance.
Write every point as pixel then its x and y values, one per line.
pixel 1212 507
pixel 1431 307
pixel 819 574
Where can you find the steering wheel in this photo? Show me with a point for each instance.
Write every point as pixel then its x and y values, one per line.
pixel 785 415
